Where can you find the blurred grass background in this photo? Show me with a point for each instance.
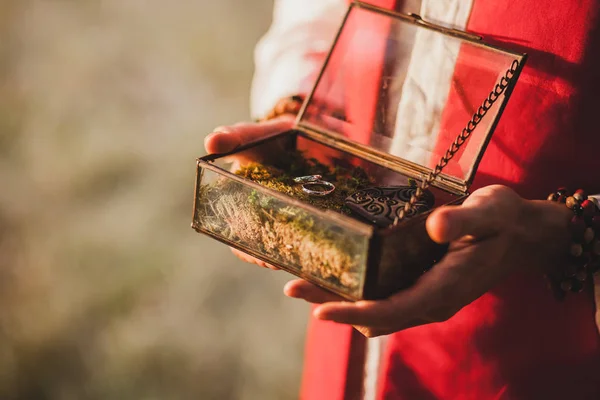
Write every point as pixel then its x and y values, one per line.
pixel 105 290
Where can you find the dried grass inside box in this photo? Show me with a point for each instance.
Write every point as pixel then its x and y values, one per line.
pixel 400 103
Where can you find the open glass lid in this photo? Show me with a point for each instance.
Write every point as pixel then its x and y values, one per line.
pixel 401 90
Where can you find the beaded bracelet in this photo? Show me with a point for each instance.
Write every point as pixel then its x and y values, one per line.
pixel 584 257
pixel 287 105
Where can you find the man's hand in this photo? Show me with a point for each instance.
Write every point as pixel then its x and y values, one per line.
pixel 493 233
pixel 228 138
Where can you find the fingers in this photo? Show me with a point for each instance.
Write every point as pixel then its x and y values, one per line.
pixel 480 216
pixel 228 138
pixel 313 294
pixel 249 259
pixel 362 313
pixel 302 289
pixel 447 224
pixel 433 298
pixel 375 332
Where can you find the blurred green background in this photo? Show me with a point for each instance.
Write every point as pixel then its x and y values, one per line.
pixel 105 290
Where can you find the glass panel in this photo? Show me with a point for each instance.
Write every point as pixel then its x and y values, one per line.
pixel 310 244
pixel 406 90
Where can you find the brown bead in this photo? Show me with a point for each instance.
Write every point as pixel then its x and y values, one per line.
pixel 566 285
pixel 579 196
pixel 576 287
pixel 552 197
pixel 596 247
pixel 577 249
pixel 581 275
pixel 588 235
pixel 571 202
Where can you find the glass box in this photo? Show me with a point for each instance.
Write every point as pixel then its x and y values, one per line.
pixel 399 101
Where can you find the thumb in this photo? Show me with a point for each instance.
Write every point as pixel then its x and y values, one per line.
pixel 450 223
pixel 227 138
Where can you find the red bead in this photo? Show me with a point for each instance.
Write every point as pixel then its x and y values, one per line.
pixel 580 193
pixel 561 198
pixel 589 208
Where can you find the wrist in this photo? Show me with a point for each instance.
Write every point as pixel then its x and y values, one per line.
pixel 547 234
pixel 583 258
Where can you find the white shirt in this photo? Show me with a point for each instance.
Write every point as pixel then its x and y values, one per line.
pixel 293 49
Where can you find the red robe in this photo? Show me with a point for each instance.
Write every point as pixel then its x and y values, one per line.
pixel 515 342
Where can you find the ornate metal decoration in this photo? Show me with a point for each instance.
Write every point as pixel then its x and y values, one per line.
pixel 382 206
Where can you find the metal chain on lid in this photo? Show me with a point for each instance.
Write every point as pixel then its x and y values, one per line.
pixel 461 138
